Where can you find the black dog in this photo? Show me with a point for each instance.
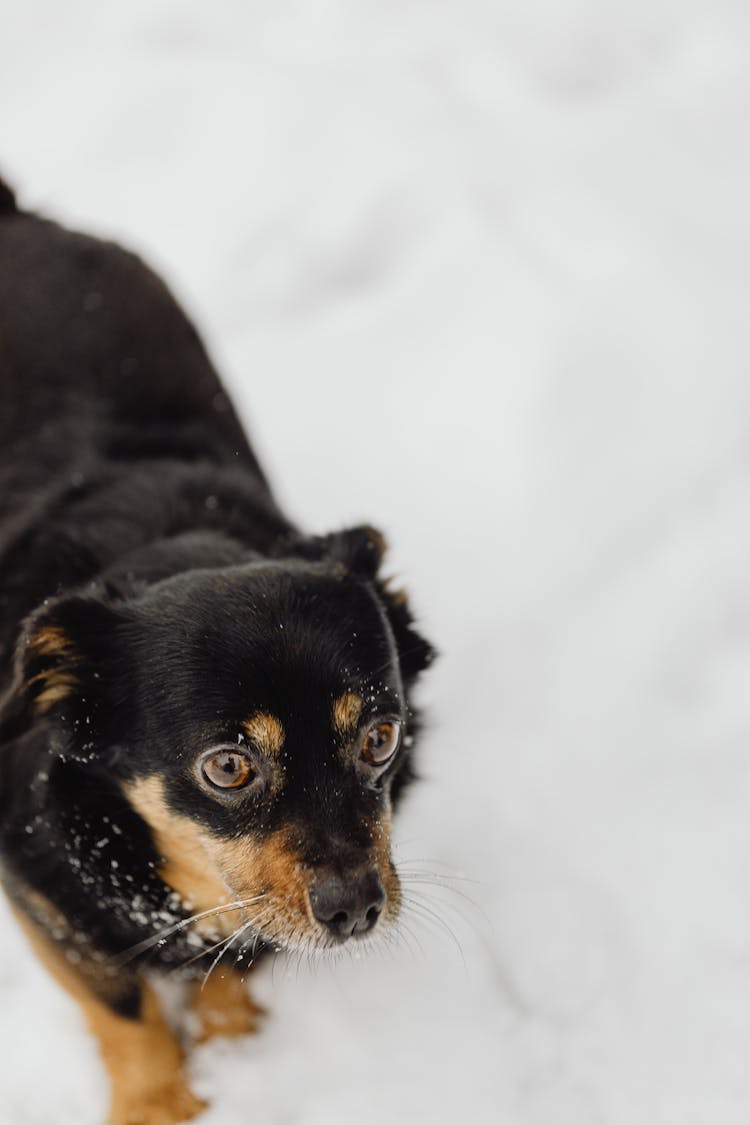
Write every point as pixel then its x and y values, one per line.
pixel 206 718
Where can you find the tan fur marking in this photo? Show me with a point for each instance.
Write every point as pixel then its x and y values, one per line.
pixel 142 1057
pixel 272 863
pixel 188 862
pixel 208 871
pixel 377 539
pixel 202 868
pixel 381 841
pixel 266 731
pixel 272 869
pixel 346 711
pixel 223 1006
pixel 51 640
pixel 397 594
pixel 59 681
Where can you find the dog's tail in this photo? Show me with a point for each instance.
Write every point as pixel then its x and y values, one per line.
pixel 7 199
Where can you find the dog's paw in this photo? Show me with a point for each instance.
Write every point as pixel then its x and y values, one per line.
pixel 224 1007
pixel 168 1106
pixel 241 1017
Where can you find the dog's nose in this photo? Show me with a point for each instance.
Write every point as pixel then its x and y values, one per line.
pixel 348 906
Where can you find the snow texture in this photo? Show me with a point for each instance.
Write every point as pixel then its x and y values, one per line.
pixel 477 272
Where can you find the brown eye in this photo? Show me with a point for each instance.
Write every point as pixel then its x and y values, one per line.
pixel 228 769
pixel 381 742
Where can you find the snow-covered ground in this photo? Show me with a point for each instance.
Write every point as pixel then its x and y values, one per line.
pixel 477 272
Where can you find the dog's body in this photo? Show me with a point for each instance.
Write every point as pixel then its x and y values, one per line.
pixel 203 707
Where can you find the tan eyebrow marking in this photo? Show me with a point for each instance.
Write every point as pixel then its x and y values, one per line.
pixel 265 730
pixel 346 711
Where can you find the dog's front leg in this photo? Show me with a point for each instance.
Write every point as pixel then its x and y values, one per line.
pixel 143 1059
pixel 144 1063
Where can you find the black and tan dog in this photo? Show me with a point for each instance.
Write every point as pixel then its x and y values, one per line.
pixel 206 716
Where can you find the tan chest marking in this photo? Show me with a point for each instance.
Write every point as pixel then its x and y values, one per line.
pixel 188 855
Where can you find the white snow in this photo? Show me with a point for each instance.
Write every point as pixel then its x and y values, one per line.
pixel 476 272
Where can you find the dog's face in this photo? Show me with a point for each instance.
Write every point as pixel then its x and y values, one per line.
pixel 257 718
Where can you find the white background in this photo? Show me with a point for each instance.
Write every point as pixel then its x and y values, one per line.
pixel 476 272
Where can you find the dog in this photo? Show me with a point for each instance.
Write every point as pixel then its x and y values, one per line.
pixel 207 714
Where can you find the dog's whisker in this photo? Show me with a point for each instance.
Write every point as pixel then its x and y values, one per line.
pixel 198 956
pixel 397 942
pixel 447 892
pixel 257 939
pixel 254 921
pixel 428 915
pixel 203 953
pixel 424 923
pixel 438 876
pixel 448 904
pixel 409 935
pixel 225 945
pixel 442 896
pixel 162 936
pixel 387 941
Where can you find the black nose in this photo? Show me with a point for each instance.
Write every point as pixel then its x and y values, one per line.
pixel 348 906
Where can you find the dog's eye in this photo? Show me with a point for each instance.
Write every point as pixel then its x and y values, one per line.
pixel 381 742
pixel 228 769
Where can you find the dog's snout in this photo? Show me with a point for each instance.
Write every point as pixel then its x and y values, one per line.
pixel 348 906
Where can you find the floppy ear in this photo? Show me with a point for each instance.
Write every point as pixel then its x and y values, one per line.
pixel 64 657
pixel 359 550
pixel 414 652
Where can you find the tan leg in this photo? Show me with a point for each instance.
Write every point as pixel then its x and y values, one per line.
pixel 144 1063
pixel 142 1057
pixel 224 1006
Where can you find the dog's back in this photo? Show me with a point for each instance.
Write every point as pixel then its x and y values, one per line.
pixel 105 389
pixel 87 328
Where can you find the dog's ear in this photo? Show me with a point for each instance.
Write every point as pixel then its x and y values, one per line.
pixel 64 658
pixel 355 550
pixel 359 551
pixel 415 653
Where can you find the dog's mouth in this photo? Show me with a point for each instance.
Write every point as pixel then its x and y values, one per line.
pixel 322 913
pixel 329 913
pixel 293 905
pixel 251 891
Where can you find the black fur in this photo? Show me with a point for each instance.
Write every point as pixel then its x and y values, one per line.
pixel 7 198
pixel 136 522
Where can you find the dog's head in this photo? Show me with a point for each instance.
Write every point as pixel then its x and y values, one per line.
pixel 258 719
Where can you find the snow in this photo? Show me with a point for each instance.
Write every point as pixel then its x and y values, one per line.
pixel 476 272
